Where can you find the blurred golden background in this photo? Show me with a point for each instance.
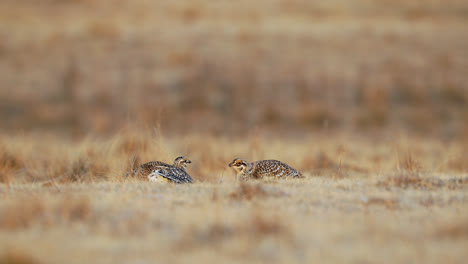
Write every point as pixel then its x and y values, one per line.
pixel 289 67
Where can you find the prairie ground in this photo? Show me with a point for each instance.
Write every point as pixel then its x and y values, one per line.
pixel 364 200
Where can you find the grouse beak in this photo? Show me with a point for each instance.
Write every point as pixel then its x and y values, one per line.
pixel 230 164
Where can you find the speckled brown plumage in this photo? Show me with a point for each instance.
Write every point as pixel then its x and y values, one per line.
pixel 263 168
pixel 154 170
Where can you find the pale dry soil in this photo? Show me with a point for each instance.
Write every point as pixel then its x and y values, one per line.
pixel 318 219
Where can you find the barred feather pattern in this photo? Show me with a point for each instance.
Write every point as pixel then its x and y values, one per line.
pixel 154 169
pixel 264 168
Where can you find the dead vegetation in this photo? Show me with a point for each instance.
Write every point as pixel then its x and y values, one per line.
pixel 61 161
pixel 412 180
pixel 256 228
pixel 249 191
pixel 219 219
pixel 424 182
pixel 24 213
pixel 231 221
pixel 368 100
pixel 321 164
pixel 390 204
pixel 344 67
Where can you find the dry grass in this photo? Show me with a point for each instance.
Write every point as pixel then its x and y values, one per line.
pixel 388 207
pixel 247 191
pixel 368 100
pixel 420 181
pixel 372 65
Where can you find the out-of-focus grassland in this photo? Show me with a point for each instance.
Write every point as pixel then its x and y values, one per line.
pixel 90 66
pixel 367 98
